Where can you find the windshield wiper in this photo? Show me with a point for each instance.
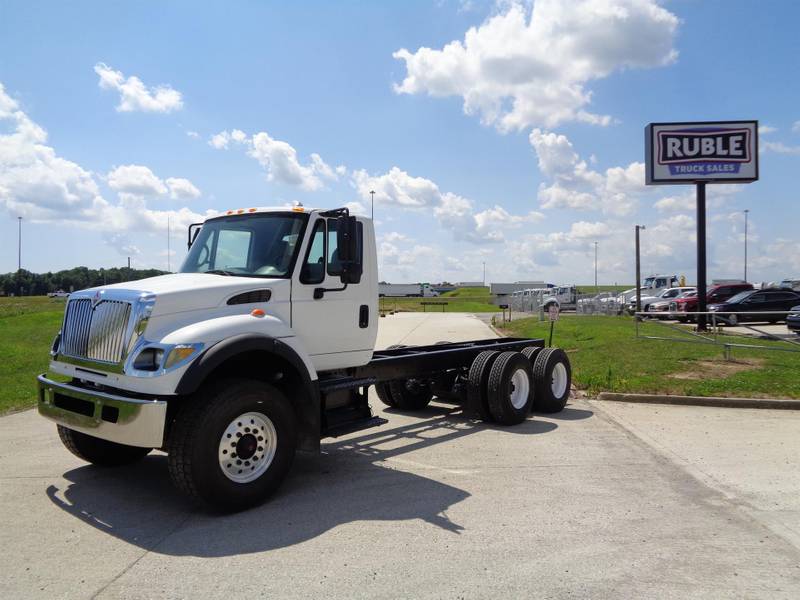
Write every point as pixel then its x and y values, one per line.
pixel 220 272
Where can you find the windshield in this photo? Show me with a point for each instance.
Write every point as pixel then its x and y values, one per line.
pixel 256 245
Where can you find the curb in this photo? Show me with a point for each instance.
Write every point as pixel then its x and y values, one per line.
pixel 701 401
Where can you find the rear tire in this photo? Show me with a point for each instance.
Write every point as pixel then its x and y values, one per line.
pixel 477 400
pixel 207 464
pixel 530 353
pixel 410 394
pixel 552 378
pixel 510 388
pixel 100 452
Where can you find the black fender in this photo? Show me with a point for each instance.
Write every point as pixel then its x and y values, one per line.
pixel 307 401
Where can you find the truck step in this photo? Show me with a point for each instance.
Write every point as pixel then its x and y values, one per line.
pixel 337 384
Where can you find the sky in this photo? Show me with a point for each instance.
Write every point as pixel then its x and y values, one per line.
pixel 505 133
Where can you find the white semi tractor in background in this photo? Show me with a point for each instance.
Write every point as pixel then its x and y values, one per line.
pixel 406 290
pixel 262 345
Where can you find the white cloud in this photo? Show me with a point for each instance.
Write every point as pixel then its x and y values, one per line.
pixel 135 95
pixel 766 129
pixel 193 134
pixel 180 188
pixel 530 66
pixel 779 148
pixel 136 180
pixel 576 186
pixel 397 188
pixel 279 159
pixel 796 127
pixel 394 236
pixel 41 186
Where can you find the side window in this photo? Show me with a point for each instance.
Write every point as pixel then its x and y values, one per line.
pixel 314 265
pixel 759 298
pixel 334 266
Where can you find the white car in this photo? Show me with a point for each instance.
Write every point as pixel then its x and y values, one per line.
pixel 667 294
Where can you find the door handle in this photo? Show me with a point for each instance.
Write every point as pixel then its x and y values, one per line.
pixel 363 316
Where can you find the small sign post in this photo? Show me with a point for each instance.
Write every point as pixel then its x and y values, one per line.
pixel 700 153
pixel 552 313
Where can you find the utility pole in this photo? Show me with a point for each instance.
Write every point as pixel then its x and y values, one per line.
pixel 169 266
pixel 638 271
pixel 596 289
pixel 746 212
pixel 372 205
pixel 19 248
pixel 484 274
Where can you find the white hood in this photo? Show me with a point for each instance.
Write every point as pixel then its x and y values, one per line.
pixel 179 292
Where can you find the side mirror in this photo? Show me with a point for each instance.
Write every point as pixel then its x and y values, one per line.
pixel 347 246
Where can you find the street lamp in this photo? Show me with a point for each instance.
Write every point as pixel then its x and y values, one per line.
pixel 638 271
pixel 19 247
pixel 372 205
pixel 596 290
pixel 746 212
pixel 484 274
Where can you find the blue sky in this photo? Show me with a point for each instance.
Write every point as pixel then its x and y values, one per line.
pixel 95 161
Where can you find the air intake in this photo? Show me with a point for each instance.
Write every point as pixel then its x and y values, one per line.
pixel 253 297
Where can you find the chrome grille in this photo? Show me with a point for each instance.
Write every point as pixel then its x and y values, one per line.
pixel 95 333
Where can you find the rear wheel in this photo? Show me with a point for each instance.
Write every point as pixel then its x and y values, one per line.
pixel 477 400
pixel 232 446
pixel 552 377
pixel 510 388
pixel 384 394
pixel 530 352
pixel 99 452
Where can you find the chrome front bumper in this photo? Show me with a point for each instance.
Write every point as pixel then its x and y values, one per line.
pixel 121 419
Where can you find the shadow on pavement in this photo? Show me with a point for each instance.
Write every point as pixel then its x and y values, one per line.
pixel 349 483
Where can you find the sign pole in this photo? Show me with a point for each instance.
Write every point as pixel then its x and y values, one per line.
pixel 702 287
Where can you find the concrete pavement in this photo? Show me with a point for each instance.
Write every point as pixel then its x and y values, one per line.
pixel 586 503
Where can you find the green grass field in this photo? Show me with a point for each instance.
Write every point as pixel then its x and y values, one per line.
pixel 606 356
pixel 471 299
pixel 27 328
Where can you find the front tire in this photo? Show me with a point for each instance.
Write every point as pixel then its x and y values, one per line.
pixel 233 444
pixel 552 377
pixel 100 452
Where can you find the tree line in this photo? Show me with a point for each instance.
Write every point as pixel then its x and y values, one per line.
pixel 25 283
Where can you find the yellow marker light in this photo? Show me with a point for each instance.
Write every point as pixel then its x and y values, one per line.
pixel 252 209
pixel 298 209
pixel 230 212
pixel 240 211
pixel 178 354
pixel 257 312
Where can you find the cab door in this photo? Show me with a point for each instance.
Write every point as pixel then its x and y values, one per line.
pixel 337 324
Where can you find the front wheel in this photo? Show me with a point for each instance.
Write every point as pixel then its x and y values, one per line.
pixel 100 452
pixel 232 446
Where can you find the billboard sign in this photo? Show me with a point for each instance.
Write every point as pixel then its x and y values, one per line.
pixel 708 151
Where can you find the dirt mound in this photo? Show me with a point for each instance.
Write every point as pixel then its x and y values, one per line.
pixel 717 368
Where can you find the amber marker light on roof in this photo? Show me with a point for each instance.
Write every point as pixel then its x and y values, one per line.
pixel 252 209
pixel 240 211
pixel 257 312
pixel 230 212
pixel 298 209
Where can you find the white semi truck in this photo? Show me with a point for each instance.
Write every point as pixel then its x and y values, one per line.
pixel 406 290
pixel 262 345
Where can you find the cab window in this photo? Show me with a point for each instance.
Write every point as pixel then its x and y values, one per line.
pixel 314 265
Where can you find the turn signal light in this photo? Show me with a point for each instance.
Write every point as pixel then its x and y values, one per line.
pixel 257 312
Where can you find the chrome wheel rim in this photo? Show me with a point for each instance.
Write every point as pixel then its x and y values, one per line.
pixel 247 447
pixel 558 383
pixel 520 389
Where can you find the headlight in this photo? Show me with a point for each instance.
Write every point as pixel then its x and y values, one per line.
pixel 149 359
pixel 180 353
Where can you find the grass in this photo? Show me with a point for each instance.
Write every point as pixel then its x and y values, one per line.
pixel 470 299
pixel 607 357
pixel 27 329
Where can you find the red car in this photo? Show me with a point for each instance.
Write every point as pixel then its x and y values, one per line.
pixel 716 294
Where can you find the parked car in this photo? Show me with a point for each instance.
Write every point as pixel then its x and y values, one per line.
pixel 791 283
pixel 649 300
pixel 756 305
pixel 793 320
pixel 58 294
pixel 661 309
pixel 683 307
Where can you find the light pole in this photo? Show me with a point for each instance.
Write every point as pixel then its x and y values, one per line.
pixel 372 205
pixel 596 290
pixel 746 212
pixel 19 246
pixel 169 265
pixel 484 274
pixel 638 271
